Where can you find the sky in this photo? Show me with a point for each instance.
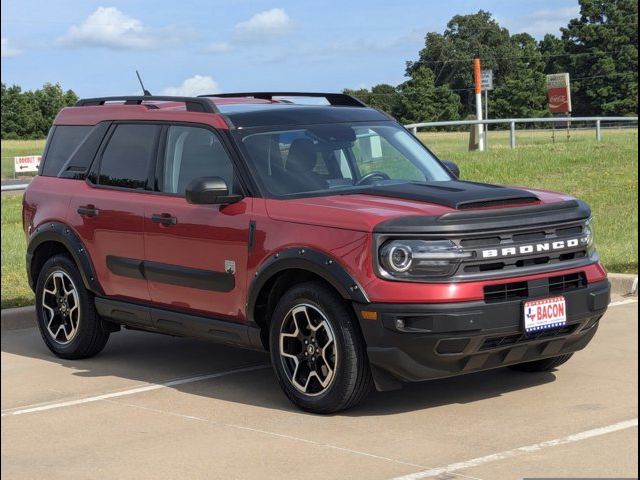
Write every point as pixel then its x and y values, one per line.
pixel 189 47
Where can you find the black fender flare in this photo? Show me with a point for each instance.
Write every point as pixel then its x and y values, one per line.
pixel 65 235
pixel 302 258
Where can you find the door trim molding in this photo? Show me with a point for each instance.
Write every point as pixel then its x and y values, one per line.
pixel 171 274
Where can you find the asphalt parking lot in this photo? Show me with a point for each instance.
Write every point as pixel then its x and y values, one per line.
pixel 152 406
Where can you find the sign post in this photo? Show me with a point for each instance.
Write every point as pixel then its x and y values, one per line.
pixel 478 90
pixel 486 77
pixel 559 97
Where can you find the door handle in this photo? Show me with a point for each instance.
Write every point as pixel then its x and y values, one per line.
pixel 164 219
pixel 88 210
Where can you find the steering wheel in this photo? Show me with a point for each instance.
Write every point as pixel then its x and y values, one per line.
pixel 374 174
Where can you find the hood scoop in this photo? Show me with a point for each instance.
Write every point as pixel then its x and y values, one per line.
pixel 454 194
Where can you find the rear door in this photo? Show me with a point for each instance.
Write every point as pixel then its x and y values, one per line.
pixel 108 212
pixel 196 255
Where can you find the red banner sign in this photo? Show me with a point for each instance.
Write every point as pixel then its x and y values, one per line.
pixel 559 93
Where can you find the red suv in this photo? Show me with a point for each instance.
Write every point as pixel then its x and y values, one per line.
pixel 325 233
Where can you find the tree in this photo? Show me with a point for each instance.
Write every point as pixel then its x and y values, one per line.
pixel 451 54
pixel 383 96
pixel 522 92
pixel 30 114
pixel 421 100
pixel 603 64
pixel 516 62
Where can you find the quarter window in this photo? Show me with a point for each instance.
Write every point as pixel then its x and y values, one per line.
pixel 191 153
pixel 65 140
pixel 127 158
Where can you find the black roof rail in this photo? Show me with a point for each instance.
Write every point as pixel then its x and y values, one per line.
pixel 193 104
pixel 335 99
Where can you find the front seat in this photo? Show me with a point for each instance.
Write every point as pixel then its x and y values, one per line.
pixel 301 161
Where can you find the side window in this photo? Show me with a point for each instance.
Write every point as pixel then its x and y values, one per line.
pixel 127 158
pixel 64 141
pixel 193 152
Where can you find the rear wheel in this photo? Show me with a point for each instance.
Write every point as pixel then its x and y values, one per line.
pixel 66 313
pixel 544 365
pixel 317 351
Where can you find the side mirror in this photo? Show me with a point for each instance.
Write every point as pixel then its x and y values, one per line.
pixel 452 167
pixel 208 191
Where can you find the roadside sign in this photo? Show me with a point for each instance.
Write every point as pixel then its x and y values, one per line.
pixel 486 79
pixel 29 163
pixel 559 93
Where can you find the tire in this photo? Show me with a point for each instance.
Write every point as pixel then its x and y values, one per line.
pixel 544 365
pixel 67 318
pixel 314 313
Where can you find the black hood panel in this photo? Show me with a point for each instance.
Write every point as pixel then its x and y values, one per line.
pixel 454 194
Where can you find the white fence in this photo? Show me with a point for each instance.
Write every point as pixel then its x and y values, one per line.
pixel 597 121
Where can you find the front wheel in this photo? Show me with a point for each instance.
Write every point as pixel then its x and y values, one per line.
pixel 317 350
pixel 544 365
pixel 67 317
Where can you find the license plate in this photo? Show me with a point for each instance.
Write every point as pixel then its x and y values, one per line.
pixel 544 314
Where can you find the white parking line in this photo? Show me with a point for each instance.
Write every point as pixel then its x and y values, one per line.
pixel 131 391
pixel 623 302
pixel 521 450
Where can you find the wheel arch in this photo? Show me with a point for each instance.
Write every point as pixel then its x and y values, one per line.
pixel 292 266
pixel 54 238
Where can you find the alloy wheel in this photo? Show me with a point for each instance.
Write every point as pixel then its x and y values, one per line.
pixel 61 307
pixel 308 349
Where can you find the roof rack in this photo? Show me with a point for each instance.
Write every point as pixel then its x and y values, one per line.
pixel 193 104
pixel 335 99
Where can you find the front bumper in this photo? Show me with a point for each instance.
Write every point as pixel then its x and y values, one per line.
pixel 442 340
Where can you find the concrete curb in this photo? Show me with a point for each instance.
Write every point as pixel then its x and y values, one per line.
pixel 25 317
pixel 624 284
pixel 17 318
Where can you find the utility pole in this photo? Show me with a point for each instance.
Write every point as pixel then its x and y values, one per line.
pixel 479 116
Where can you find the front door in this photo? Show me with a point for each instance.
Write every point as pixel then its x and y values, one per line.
pixel 195 255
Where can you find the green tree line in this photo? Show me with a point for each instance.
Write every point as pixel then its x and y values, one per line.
pixel 599 50
pixel 29 114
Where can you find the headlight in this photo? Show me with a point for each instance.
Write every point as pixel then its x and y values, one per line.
pixel 588 239
pixel 419 259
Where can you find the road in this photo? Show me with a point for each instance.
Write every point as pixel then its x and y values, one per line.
pixel 152 406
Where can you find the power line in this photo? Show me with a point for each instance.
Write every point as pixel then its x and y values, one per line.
pixel 510 57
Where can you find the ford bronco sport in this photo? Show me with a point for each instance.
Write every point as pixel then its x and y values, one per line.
pixel 324 233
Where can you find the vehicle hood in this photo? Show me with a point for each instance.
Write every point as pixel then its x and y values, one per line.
pixel 364 210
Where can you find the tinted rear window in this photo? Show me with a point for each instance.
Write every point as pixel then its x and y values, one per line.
pixel 127 158
pixel 64 141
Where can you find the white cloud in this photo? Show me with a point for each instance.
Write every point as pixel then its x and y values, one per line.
pixel 268 24
pixel 193 86
pixel 8 50
pixel 219 47
pixel 541 22
pixel 108 27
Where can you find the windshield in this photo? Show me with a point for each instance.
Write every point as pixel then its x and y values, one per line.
pixel 337 158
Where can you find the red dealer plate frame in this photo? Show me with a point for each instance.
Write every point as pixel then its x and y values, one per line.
pixel 544 314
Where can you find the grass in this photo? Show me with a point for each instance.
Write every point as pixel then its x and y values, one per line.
pixel 16 148
pixel 603 174
pixel 15 290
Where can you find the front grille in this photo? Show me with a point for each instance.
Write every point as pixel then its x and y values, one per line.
pixel 565 283
pixel 506 292
pixel 509 340
pixel 507 256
